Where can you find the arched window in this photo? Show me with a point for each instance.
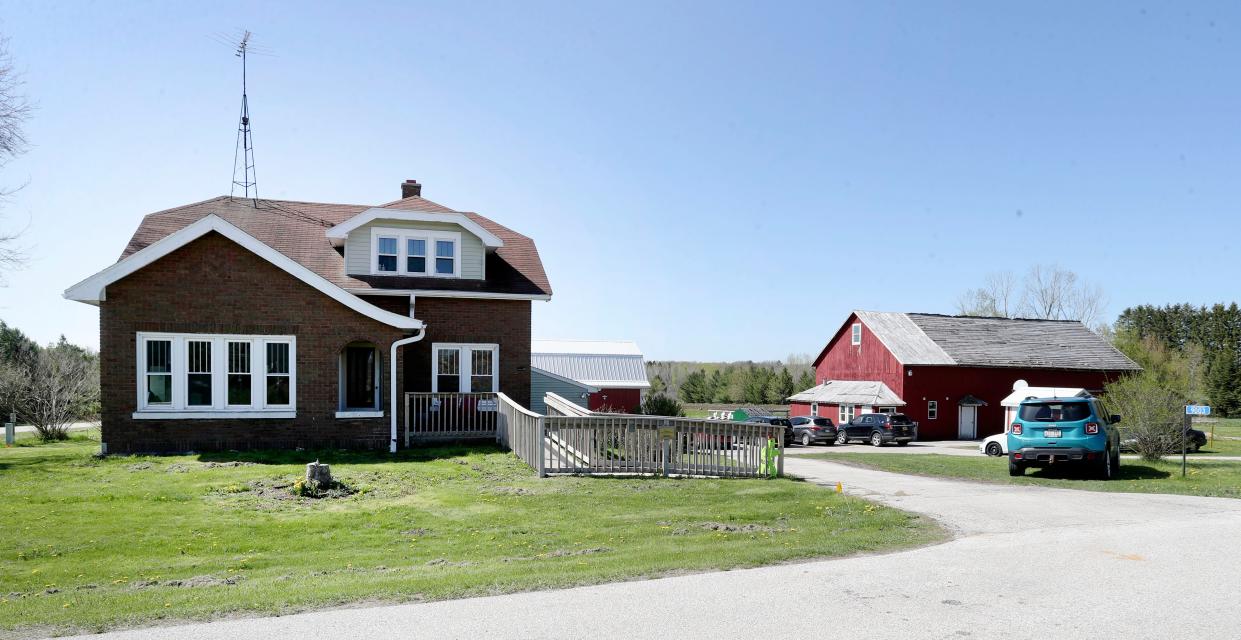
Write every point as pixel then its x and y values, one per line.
pixel 361 378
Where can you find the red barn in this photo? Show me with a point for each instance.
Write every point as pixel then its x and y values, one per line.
pixel 950 373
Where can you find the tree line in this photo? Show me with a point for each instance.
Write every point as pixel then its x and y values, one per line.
pixel 730 383
pixel 1195 350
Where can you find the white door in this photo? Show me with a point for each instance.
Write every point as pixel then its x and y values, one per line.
pixel 967 427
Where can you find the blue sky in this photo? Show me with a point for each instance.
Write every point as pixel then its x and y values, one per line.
pixel 713 180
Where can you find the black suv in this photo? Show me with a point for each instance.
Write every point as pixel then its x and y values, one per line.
pixel 878 429
pixel 808 430
pixel 779 422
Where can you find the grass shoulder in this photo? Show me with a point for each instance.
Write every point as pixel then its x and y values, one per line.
pixel 100 543
pixel 1219 479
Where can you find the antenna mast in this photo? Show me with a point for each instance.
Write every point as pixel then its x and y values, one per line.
pixel 244 176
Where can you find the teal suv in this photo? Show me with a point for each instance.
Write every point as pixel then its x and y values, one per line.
pixel 1055 431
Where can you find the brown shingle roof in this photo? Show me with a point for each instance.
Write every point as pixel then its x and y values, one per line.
pixel 298 230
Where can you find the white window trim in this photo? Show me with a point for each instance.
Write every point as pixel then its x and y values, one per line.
pixel 219 408
pixel 932 409
pixel 464 363
pixel 847 413
pixel 402 245
pixel 855 334
pixel 396 262
pixel 814 409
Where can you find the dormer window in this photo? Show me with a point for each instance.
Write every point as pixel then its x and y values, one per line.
pixel 386 256
pixel 445 257
pixel 406 252
pixel 416 255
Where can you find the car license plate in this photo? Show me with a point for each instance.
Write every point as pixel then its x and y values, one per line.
pixel 1051 433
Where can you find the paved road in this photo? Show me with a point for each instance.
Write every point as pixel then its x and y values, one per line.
pixel 956 448
pixel 1028 562
pixel 76 426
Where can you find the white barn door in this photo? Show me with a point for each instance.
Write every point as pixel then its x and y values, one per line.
pixel 967 425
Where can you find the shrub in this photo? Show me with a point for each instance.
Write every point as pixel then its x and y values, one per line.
pixel 1152 414
pixel 661 405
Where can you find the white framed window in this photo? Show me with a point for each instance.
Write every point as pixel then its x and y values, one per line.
pixel 210 375
pixel 847 412
pixel 198 376
pixel 156 361
pixel 445 257
pixel 856 337
pixel 407 252
pixel 240 383
pixel 814 409
pixel 465 368
pixel 932 409
pixel 415 255
pixel 386 254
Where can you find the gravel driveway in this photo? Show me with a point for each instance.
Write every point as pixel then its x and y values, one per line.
pixel 1028 562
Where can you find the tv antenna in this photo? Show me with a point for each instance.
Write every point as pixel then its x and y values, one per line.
pixel 244 176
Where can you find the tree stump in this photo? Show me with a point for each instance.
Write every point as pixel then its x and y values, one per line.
pixel 319 474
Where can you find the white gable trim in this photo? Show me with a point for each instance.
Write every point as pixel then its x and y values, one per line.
pixel 93 290
pixel 341 231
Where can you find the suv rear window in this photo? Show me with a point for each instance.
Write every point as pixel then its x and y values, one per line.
pixel 1055 412
pixel 822 422
pixel 900 418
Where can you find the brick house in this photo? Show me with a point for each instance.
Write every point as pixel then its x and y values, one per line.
pixel 236 323
pixel 951 373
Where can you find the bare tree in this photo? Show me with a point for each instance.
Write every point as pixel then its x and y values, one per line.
pixel 14 110
pixel 1047 292
pixel 61 386
pixel 997 297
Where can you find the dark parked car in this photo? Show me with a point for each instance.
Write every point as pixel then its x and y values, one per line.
pixel 878 429
pixel 1194 440
pixel 808 431
pixel 776 420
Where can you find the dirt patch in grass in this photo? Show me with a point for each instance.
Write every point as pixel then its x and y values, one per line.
pixel 741 528
pixel 189 583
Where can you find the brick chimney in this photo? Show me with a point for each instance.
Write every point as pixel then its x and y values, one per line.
pixel 410 188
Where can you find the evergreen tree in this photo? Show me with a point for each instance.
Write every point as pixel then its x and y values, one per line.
pixel 782 387
pixel 717 386
pixel 695 388
pixel 1222 380
pixel 806 381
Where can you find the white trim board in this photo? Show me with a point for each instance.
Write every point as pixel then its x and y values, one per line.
pixel 556 376
pixel 445 293
pixel 93 289
pixel 340 232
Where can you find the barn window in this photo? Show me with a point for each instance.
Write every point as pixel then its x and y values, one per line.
pixel 814 409
pixel 857 333
pixel 847 411
pixel 932 409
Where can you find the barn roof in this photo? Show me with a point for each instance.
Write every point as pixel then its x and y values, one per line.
pixel 865 392
pixel 930 339
pixel 598 363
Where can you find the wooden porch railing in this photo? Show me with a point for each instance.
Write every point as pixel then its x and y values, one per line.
pixel 449 416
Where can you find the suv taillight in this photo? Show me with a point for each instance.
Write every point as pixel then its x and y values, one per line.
pixel 1092 428
pixel 1016 428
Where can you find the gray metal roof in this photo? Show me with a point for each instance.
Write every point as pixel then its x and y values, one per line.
pixel 613 364
pixel 929 339
pixel 904 339
pixel 865 392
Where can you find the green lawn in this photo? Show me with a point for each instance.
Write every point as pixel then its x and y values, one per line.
pixel 1222 427
pixel 1221 479
pixel 91 543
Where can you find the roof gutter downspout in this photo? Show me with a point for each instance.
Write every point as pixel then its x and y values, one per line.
pixel 392 376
